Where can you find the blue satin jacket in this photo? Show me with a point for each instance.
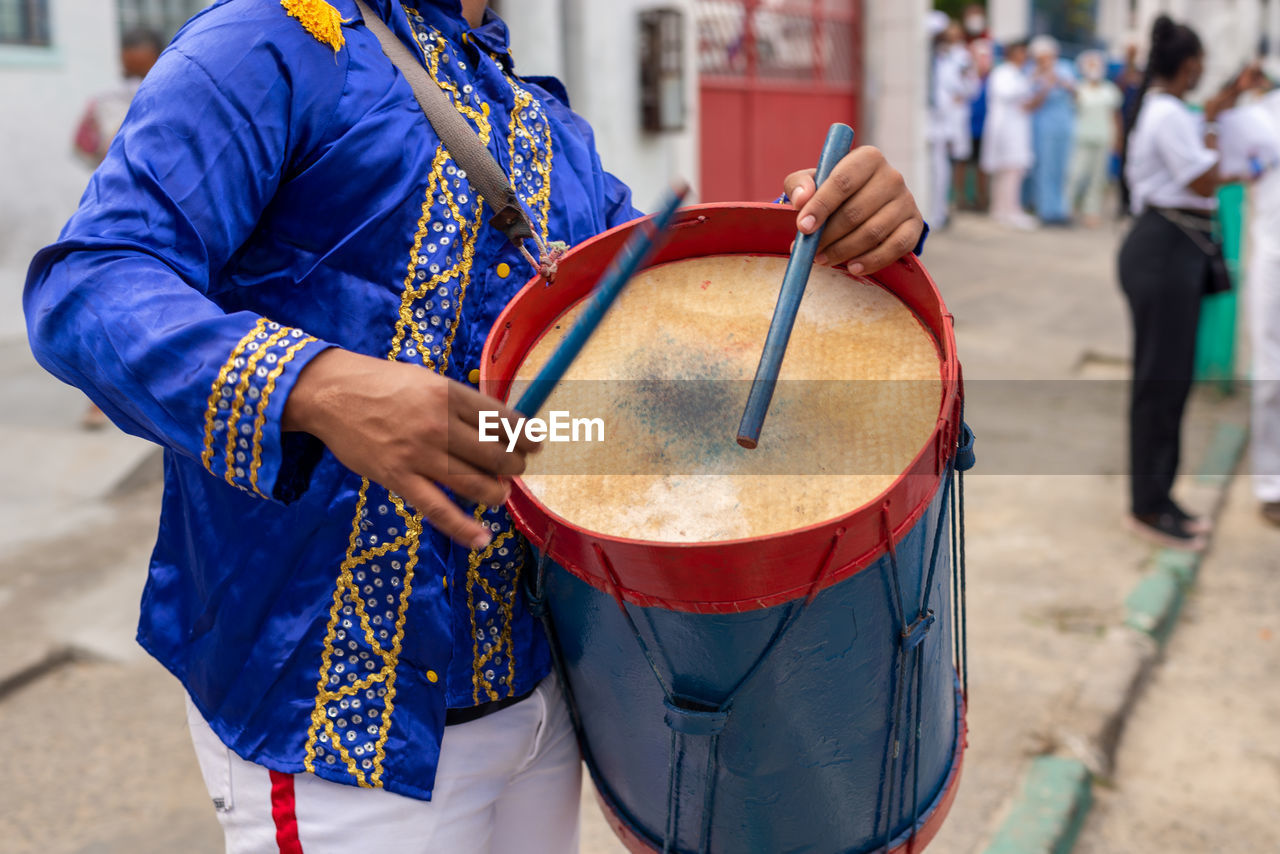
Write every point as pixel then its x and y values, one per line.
pixel 274 192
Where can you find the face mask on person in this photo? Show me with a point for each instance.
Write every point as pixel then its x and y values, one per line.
pixel 975 24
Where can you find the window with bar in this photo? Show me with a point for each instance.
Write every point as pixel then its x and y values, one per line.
pixel 165 17
pixel 784 40
pixel 24 22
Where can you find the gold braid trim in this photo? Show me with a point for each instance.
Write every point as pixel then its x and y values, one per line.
pixel 237 403
pixel 368 772
pixel 414 523
pixel 478 658
pixel 318 18
pixel 261 421
pixel 211 412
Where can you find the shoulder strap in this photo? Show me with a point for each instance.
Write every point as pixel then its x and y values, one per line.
pixel 484 173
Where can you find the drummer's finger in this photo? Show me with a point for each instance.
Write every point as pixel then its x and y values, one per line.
pixel 868 206
pixel 874 230
pixel 799 186
pixel 469 482
pixel 901 242
pixel 469 406
pixel 467 403
pixel 846 179
pixel 489 454
pixel 445 516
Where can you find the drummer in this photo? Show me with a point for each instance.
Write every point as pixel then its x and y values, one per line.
pixel 275 247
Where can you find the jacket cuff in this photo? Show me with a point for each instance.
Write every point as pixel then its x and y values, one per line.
pixel 924 235
pixel 243 441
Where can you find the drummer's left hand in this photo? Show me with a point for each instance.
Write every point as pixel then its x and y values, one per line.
pixel 872 219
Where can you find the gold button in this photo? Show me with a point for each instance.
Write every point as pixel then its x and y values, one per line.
pixel 474 376
pixel 504 270
pixel 432 677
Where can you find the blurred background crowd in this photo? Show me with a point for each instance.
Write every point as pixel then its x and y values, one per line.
pixel 1030 130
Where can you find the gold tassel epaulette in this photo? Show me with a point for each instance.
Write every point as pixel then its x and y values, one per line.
pixel 320 19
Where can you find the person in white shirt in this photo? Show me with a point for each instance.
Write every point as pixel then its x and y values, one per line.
pixel 955 83
pixel 1097 132
pixel 1264 323
pixel 1006 139
pixel 1168 262
pixel 1255 129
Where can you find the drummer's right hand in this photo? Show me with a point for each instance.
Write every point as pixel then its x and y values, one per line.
pixel 410 430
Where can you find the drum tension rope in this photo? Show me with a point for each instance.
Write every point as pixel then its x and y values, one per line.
pixel 689 717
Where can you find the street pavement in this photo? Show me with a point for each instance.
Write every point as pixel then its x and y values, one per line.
pixel 99 759
pixel 1199 766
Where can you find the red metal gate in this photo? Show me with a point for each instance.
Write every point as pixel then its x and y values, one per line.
pixel 774 75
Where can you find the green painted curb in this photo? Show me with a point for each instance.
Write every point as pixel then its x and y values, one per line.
pixel 1182 565
pixel 1050 810
pixel 1154 604
pixel 1224 453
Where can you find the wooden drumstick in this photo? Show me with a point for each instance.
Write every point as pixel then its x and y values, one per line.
pixel 839 142
pixel 642 245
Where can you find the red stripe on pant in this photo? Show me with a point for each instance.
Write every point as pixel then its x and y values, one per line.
pixel 284 813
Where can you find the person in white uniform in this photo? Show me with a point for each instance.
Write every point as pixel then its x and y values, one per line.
pixel 955 83
pixel 1006 140
pixel 1097 131
pixel 1261 123
pixel 1169 261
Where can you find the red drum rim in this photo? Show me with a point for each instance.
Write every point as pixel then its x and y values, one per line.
pixel 725 576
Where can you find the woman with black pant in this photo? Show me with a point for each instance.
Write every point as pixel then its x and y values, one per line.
pixel 1168 262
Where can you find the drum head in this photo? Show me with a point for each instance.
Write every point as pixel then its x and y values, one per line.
pixel 661 388
pixel 668 510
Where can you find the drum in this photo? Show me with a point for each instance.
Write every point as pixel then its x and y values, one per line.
pixel 762 650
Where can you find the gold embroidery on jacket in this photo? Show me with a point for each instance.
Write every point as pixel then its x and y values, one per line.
pixel 351 718
pixel 216 394
pixel 237 402
pixel 318 18
pixel 261 421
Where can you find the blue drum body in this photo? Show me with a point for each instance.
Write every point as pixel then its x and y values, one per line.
pixel 803 758
pixel 795 692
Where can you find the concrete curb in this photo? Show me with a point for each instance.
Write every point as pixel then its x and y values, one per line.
pixel 1046 815
pixel 1049 811
pixel 148 472
pixel 19 673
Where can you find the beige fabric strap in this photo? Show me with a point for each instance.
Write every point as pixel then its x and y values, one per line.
pixel 462 143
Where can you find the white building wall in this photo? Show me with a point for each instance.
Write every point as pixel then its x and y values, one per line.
pixel 1008 20
pixel 1114 25
pixel 603 75
pixel 43 92
pixel 594 47
pixel 1230 29
pixel 896 66
pixel 1272 24
pixel 537 35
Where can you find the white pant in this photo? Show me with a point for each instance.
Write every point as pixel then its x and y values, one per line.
pixel 1006 194
pixel 508 782
pixel 941 201
pixel 1264 331
pixel 1090 170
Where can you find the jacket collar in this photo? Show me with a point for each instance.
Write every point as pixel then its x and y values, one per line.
pixel 446 16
